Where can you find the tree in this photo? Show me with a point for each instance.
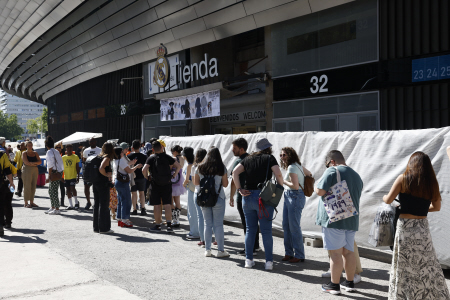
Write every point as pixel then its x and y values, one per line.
pixel 38 125
pixel 9 127
pixel 43 123
pixel 33 126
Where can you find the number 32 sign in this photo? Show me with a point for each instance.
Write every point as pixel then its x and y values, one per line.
pixel 319 84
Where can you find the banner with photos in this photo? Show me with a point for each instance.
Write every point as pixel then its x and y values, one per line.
pixel 196 106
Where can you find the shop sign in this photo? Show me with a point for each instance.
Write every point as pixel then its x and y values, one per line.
pixel 240 117
pixel 195 106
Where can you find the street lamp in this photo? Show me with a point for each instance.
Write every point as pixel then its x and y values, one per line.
pixel 130 78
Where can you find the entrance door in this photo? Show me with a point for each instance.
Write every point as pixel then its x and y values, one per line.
pixel 244 129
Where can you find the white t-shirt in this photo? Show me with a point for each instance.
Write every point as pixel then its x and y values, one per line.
pixel 123 163
pixel 50 158
pixel 90 152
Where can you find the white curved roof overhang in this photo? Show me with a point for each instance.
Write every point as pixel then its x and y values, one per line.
pixel 103 36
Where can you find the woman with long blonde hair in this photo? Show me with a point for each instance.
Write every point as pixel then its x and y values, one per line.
pixel 415 271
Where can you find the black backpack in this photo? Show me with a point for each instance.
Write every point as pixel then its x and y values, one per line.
pixel 207 195
pixel 92 169
pixel 160 169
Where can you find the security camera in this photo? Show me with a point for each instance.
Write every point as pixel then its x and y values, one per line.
pixel 121 82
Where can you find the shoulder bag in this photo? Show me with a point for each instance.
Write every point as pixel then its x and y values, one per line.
pixel 122 177
pixel 55 175
pixel 271 192
pixel 308 188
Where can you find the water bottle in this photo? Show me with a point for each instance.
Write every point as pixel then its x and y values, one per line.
pixel 11 189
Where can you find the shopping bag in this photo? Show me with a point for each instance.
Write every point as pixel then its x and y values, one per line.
pixel 382 230
pixel 338 202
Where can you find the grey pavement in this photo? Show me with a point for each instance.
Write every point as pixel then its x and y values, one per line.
pixel 60 257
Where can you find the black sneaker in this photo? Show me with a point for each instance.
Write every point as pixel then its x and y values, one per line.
pixel 88 205
pixel 8 226
pixel 134 213
pixel 348 286
pixel 77 206
pixel 242 252
pixel 70 208
pixel 331 288
pixel 143 212
pixel 169 229
pixel 156 228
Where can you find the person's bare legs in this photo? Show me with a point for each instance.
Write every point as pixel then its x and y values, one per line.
pixel 134 199
pixel 168 212
pixel 157 213
pixel 87 193
pixel 336 265
pixel 141 199
pixel 349 264
pixel 177 202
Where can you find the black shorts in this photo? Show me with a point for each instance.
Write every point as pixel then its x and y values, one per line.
pixel 139 185
pixel 70 182
pixel 87 183
pixel 161 193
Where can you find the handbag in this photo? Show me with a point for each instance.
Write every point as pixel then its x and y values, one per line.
pixel 55 176
pixel 271 192
pixel 382 231
pixel 191 186
pixel 122 177
pixel 338 202
pixel 308 188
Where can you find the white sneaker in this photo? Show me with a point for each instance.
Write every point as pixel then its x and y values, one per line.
pixel 223 253
pixel 269 265
pixel 48 211
pixel 357 279
pixel 249 263
pixel 54 212
pixel 208 253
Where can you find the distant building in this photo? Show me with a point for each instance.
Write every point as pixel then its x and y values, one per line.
pixel 23 108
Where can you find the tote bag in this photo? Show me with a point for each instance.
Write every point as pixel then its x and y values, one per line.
pixel 338 202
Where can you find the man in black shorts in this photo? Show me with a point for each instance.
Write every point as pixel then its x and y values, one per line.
pixel 139 180
pixel 160 164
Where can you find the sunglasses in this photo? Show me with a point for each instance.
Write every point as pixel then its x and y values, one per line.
pixel 327 165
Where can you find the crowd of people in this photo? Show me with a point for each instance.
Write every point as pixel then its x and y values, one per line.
pixel 148 173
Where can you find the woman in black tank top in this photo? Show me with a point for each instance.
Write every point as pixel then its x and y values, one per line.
pixel 30 174
pixel 414 277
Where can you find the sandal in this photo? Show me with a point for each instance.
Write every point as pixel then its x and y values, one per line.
pixel 34 205
pixel 28 206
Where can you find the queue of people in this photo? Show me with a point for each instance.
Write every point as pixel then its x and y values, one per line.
pixel 415 270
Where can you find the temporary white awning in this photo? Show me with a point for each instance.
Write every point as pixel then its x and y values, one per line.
pixel 79 137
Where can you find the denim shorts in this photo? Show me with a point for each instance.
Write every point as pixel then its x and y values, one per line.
pixel 334 239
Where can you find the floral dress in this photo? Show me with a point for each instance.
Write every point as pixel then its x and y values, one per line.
pixel 112 198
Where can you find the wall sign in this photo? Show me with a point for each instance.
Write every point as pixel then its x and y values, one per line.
pixel 239 116
pixel 431 68
pixel 195 106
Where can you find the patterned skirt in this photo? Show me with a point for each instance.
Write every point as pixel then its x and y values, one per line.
pixel 112 198
pixel 415 271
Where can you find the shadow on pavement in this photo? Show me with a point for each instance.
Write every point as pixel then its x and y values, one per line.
pixel 27 231
pixel 136 239
pixel 24 239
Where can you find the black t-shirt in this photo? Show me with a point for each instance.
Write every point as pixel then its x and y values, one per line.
pixel 151 160
pixel 256 169
pixel 141 159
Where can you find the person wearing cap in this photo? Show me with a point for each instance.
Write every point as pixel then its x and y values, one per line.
pixel 163 144
pixel 123 169
pixel 258 167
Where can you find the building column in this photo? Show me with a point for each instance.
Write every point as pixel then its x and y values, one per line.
pixel 269 87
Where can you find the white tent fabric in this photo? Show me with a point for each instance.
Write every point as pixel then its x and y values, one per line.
pixel 79 137
pixel 378 156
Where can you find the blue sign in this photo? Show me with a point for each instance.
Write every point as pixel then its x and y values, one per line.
pixel 431 68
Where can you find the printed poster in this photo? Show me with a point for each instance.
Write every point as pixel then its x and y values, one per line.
pixel 196 106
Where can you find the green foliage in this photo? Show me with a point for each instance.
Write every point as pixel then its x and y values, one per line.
pixel 9 128
pixel 33 126
pixel 38 125
pixel 44 120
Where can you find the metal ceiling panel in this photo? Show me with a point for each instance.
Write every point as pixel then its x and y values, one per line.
pixel 183 16
pixel 145 18
pixel 153 3
pixel 130 38
pixel 115 20
pixel 96 53
pixel 137 48
pixel 125 62
pixel 107 10
pixel 281 13
pixel 318 5
pixel 118 54
pixel 169 7
pixel 97 30
pixel 209 6
pixel 104 38
pixel 91 45
pixel 198 39
pixel 189 28
pixel 225 15
pixel 136 8
pixel 83 38
pixel 122 3
pixel 108 68
pixel 255 6
pixel 76 31
pixel 152 29
pixel 111 46
pixel 122 29
pixel 235 27
pixel 102 60
pixel 75 52
pixel 163 37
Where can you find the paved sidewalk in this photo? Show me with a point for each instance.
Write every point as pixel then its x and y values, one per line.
pixel 59 257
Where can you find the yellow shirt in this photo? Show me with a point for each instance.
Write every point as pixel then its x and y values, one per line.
pixel 70 166
pixel 18 159
pixel 5 165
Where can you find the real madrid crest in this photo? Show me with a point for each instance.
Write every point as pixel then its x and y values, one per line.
pixel 161 73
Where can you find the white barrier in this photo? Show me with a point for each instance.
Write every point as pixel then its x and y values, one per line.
pixel 378 156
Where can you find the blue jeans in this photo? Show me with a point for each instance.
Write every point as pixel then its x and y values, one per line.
pixel 123 200
pixel 250 204
pixel 192 214
pixel 201 220
pixel 214 218
pixel 294 202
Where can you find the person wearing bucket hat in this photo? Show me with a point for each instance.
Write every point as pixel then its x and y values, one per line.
pixel 258 167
